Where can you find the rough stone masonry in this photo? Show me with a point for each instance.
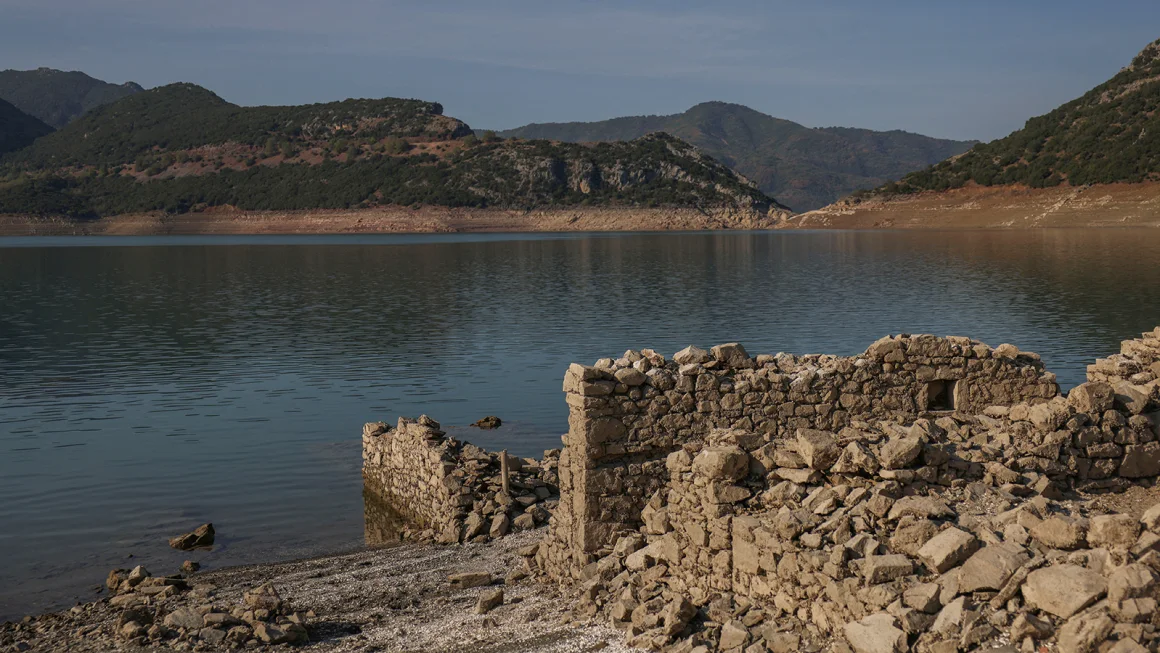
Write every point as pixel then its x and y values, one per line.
pixel 926 495
pixel 929 494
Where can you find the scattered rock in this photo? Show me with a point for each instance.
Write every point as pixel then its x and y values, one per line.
pixel 489 600
pixel 469 579
pixel 202 536
pixel 489 422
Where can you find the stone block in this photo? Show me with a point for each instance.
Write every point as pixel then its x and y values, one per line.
pixel 990 567
pixel 948 549
pixel 818 449
pixel 875 634
pixel 882 568
pixel 1063 590
pixel 1116 532
pixel 1092 398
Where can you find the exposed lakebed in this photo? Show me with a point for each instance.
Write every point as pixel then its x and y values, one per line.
pixel 148 385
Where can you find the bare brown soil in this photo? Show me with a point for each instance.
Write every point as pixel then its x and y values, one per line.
pixel 1008 207
pixel 388 220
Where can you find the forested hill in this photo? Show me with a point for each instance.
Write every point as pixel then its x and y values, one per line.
pixel 18 129
pixel 57 97
pixel 1111 134
pixel 803 167
pixel 181 148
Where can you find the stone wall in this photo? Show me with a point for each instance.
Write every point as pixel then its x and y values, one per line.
pixel 875 524
pixel 450 490
pixel 627 415
pixel 407 466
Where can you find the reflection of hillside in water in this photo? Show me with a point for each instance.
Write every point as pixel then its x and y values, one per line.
pixel 382 524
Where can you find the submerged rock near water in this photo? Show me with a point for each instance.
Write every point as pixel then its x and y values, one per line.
pixel 201 537
pixel 489 422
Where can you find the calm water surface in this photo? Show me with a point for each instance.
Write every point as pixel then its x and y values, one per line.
pixel 148 385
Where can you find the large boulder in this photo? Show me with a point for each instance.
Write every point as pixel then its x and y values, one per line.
pixel 1063 590
pixel 818 449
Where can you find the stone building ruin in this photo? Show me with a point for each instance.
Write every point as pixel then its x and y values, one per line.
pixel 930 494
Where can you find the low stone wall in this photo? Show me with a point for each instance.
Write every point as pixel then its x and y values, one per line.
pixel 450 490
pixel 408 465
pixel 626 415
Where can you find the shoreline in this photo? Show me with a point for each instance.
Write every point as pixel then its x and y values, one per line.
pixel 976 208
pixel 394 598
pixel 1108 206
pixel 393 220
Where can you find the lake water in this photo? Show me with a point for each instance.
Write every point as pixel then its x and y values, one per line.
pixel 148 385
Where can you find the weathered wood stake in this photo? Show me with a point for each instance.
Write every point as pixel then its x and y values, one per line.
pixel 503 472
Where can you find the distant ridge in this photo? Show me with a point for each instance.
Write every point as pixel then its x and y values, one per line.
pixel 1109 135
pixel 18 129
pixel 57 97
pixel 181 148
pixel 804 168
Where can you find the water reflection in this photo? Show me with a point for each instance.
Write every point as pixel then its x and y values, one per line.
pixel 147 389
pixel 382 524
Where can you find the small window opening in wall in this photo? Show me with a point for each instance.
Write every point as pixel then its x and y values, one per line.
pixel 940 395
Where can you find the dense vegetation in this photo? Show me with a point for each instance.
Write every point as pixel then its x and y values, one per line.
pixel 18 129
pixel 181 148
pixel 1111 134
pixel 804 168
pixel 57 97
pixel 511 175
pixel 182 117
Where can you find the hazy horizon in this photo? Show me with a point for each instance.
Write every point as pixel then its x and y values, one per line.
pixel 962 72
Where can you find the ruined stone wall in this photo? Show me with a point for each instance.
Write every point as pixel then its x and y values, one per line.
pixel 951 530
pixel 450 490
pixel 627 415
pixel 407 466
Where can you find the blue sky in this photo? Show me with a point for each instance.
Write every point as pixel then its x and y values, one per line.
pixel 954 69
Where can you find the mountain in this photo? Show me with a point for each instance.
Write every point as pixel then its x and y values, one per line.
pixel 180 147
pixel 57 97
pixel 802 167
pixel 18 129
pixel 1110 134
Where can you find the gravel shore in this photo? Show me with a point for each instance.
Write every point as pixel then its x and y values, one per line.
pixel 391 600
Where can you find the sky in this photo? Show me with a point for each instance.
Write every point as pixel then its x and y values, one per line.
pixel 966 69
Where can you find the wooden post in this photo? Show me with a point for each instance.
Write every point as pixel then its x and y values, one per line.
pixel 503 471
